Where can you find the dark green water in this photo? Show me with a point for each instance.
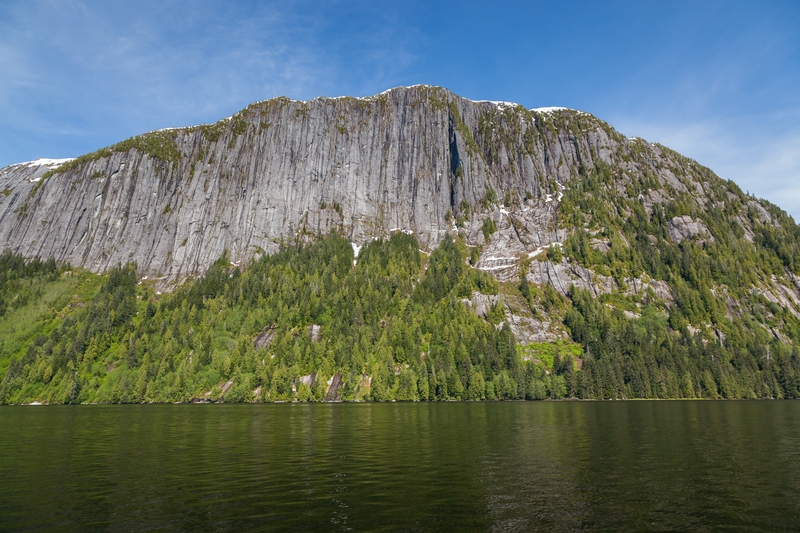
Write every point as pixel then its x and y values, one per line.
pixel 510 466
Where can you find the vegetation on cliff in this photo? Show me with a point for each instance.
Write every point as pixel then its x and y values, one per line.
pixel 580 264
pixel 397 325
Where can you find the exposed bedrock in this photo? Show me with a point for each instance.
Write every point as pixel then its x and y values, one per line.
pixel 419 159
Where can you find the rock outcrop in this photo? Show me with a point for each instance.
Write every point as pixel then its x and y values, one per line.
pixel 415 159
pixel 420 159
pixel 685 227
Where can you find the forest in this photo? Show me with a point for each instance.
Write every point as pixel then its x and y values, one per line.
pixel 314 323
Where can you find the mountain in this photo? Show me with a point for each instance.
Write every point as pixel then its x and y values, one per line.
pixel 174 200
pixel 613 264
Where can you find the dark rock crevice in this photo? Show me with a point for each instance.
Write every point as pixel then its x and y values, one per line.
pixel 456 170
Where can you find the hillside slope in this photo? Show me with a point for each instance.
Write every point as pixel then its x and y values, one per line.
pixel 615 265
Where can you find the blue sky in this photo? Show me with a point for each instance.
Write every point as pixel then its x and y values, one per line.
pixel 716 81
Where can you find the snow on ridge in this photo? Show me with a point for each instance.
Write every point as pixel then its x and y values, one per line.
pixel 500 104
pixel 640 140
pixel 497 103
pixel 374 96
pixel 189 127
pixel 47 162
pixel 550 109
pixel 371 97
pixel 387 91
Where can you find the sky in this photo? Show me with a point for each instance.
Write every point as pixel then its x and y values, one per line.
pixel 717 81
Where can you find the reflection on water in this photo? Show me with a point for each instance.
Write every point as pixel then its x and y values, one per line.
pixel 510 466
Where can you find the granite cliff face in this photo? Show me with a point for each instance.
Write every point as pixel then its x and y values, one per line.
pixel 417 159
pixel 656 277
pixel 414 159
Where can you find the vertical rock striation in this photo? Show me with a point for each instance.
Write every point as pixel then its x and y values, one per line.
pixel 418 159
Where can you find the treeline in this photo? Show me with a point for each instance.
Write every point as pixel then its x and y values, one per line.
pixel 644 358
pixel 16 275
pixel 415 340
pixel 394 326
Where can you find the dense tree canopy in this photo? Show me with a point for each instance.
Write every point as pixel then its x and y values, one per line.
pixel 396 325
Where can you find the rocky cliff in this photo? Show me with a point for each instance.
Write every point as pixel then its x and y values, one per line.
pixel 418 159
pixel 654 277
pixel 415 159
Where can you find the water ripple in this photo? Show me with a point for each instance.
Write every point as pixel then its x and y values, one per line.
pixel 534 466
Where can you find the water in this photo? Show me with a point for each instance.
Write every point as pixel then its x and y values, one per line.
pixel 492 466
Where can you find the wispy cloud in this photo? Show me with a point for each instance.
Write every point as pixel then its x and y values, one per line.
pixel 121 69
pixel 759 154
pixel 713 81
pixel 115 70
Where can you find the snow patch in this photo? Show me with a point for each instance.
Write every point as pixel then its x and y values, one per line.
pixel 47 162
pixel 541 249
pixel 499 104
pixel 197 125
pixel 548 110
pixel 169 129
pixel 387 91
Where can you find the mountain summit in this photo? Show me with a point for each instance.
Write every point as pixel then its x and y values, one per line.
pixel 417 159
pixel 475 249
